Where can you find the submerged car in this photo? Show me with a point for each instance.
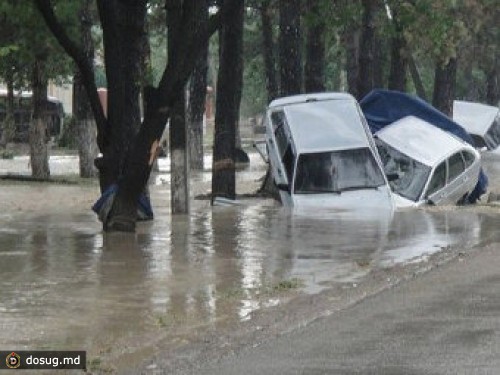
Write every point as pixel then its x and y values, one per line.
pixel 426 165
pixel 481 121
pixel 384 107
pixel 322 154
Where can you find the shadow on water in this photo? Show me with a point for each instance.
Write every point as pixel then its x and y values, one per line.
pixel 66 285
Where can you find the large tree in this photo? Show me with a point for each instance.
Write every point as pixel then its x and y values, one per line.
pixel 86 129
pixel 31 61
pixel 128 146
pixel 314 80
pixel 290 47
pixel 229 86
pixel 268 47
pixel 367 46
pixel 197 98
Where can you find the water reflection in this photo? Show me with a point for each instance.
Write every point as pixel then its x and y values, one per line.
pixel 66 285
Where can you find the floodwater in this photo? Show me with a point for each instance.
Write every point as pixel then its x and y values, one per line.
pixel 64 284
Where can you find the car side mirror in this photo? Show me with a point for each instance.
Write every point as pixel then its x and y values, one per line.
pixel 392 177
pixel 283 187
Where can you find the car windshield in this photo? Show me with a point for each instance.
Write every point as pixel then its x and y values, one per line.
pixel 334 172
pixel 407 177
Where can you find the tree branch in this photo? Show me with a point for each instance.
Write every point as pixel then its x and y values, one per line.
pixel 78 56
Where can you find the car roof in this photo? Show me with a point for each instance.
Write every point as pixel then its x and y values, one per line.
pixel 331 123
pixel 476 118
pixel 304 98
pixel 420 140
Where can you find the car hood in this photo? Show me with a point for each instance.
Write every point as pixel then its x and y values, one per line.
pixel 351 200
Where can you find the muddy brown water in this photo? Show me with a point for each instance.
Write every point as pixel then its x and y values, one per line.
pixel 64 284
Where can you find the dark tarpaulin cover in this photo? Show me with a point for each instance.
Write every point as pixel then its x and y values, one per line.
pixel 103 205
pixel 383 107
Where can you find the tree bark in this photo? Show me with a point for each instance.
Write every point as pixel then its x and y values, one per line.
pixel 493 84
pixel 417 80
pixel 444 86
pixel 350 39
pixel 86 128
pixel 380 61
pixel 229 86
pixel 290 54
pixel 268 47
pixel 179 163
pixel 365 79
pixel 399 63
pixel 9 125
pixel 197 99
pixel 315 50
pixel 123 26
pixel 38 137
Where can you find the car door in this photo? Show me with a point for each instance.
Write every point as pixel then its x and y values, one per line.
pixel 282 155
pixel 277 140
pixel 456 186
pixel 472 168
pixel 435 192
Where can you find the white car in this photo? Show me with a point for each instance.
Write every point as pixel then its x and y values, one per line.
pixel 426 165
pixel 322 153
pixel 481 121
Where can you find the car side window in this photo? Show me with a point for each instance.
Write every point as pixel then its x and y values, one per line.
pixel 279 122
pixel 468 158
pixel 455 166
pixel 438 179
pixel 289 163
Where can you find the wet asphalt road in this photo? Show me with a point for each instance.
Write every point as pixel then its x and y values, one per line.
pixel 446 322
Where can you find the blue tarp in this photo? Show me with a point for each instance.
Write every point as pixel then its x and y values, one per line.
pixel 383 107
pixel 103 205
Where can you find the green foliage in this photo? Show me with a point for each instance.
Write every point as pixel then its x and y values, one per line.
pixel 24 38
pixel 254 96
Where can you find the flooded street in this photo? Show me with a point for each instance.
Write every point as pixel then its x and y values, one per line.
pixel 65 285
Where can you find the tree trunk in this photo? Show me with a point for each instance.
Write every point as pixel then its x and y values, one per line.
pixel 399 63
pixel 123 27
pixel 315 50
pixel 179 163
pixel 268 47
pixel 444 86
pixel 365 79
pixel 9 124
pixel 290 47
pixel 86 128
pixel 417 80
pixel 350 39
pixel 38 137
pixel 197 98
pixel 493 84
pixel 380 61
pixel 229 86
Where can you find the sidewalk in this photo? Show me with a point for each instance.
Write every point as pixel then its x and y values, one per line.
pixel 446 321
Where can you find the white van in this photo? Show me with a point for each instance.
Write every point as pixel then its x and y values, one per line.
pixel 322 153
